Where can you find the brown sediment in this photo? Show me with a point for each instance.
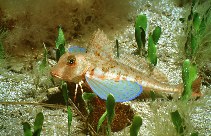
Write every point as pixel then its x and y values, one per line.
pixel 123 113
pixel 196 87
pixel 122 118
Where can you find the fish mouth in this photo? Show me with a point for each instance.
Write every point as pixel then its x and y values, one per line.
pixel 55 75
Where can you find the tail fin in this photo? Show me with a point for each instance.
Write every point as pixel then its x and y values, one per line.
pixel 196 88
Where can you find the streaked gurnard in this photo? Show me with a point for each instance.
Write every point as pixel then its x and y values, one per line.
pixel 125 77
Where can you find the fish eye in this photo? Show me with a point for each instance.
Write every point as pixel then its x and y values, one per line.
pixel 71 60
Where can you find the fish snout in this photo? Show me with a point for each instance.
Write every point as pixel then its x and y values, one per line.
pixel 54 73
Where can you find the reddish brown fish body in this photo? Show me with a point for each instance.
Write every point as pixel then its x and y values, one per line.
pixel 86 64
pixel 99 63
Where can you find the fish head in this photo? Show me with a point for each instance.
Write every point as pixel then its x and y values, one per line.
pixel 70 67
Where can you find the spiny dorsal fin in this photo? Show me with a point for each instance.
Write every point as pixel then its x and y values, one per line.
pixel 100 45
pixel 140 64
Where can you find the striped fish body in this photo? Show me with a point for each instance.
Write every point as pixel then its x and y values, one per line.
pixel 152 81
pixel 125 77
pixel 106 76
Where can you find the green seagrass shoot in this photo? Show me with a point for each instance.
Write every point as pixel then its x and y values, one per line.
pixel 189 75
pixel 109 113
pixel 87 97
pixel 69 111
pixel 37 126
pixel 177 121
pixel 140 33
pixel 140 36
pixel 152 47
pixel 60 44
pixel 44 62
pixel 3 33
pixel 179 124
pixel 136 124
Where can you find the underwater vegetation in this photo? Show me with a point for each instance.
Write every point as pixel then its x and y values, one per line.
pixel 44 62
pixel 198 44
pixel 189 70
pixel 38 123
pixel 136 124
pixel 178 122
pixel 60 44
pixel 140 33
pixel 69 111
pixel 197 30
pixel 198 24
pixel 140 36
pixel 152 41
pixel 109 114
pixel 189 75
pixel 3 33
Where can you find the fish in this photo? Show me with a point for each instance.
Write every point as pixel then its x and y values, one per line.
pixel 125 78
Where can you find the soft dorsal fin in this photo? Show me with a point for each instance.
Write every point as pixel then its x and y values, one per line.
pixel 100 45
pixel 140 64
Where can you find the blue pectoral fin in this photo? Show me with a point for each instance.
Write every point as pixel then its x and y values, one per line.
pixel 122 90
